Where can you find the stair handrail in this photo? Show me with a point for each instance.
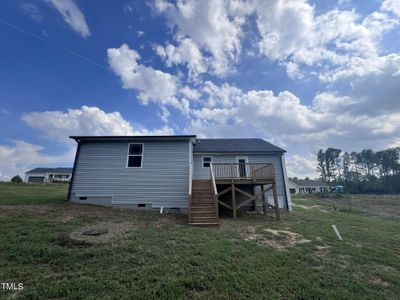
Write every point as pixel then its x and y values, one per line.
pixel 213 179
pixel 190 177
pixel 215 194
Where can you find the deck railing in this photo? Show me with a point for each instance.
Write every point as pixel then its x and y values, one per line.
pixel 249 171
pixel 212 176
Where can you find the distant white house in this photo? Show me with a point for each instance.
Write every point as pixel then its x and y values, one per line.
pixel 39 175
pixel 306 186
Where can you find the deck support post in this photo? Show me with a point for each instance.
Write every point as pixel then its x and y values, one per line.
pixel 264 203
pixel 257 174
pixel 255 199
pixel 276 204
pixel 190 208
pixel 234 200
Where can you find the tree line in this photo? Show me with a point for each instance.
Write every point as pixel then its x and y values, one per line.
pixel 361 172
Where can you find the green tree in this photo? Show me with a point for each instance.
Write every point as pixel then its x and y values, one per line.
pixel 346 162
pixel 368 161
pixel 361 172
pixel 332 163
pixel 328 163
pixel 321 168
pixel 16 179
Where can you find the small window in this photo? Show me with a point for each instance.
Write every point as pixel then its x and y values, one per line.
pixel 82 198
pixel 135 156
pixel 207 160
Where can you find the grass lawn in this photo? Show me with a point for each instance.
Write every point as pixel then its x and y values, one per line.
pixel 14 193
pixel 146 255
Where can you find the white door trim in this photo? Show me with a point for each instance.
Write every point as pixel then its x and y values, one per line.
pixel 246 159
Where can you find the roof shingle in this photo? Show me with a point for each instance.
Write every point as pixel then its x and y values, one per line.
pixel 234 146
pixel 51 170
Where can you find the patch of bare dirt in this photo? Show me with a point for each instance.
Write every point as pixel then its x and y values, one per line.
pixel 322 249
pixel 278 239
pixel 321 254
pixel 120 223
pixel 376 275
pixel 66 241
pixel 66 219
pixel 70 212
pixel 115 231
pixel 38 209
pixel 374 204
pixel 310 207
pixel 174 219
pixel 305 206
pixel 343 261
pixel 386 269
pixel 379 281
pixel 355 245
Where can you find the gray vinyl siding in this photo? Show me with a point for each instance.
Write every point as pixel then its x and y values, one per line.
pixel 204 173
pixel 101 175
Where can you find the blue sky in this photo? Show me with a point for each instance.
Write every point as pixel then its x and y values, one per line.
pixel 301 74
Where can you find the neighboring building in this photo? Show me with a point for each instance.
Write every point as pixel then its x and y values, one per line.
pixel 339 189
pixel 306 186
pixel 179 172
pixel 40 175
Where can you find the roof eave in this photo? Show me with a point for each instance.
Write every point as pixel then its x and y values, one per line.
pixel 79 139
pixel 250 152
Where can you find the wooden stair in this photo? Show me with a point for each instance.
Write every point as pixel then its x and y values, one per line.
pixel 203 209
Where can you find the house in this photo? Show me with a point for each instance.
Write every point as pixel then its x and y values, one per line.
pixel 48 175
pixel 306 186
pixel 200 176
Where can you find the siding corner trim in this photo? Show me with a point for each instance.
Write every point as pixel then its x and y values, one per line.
pixel 73 171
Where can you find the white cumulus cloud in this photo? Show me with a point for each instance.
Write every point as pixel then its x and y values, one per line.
pixel 153 85
pixel 57 126
pixel 355 107
pixel 208 35
pixel 392 6
pixel 213 26
pixel 332 119
pixel 84 121
pixel 299 166
pixel 72 15
pixel 186 53
pixel 21 156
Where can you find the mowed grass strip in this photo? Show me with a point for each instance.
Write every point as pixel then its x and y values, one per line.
pixel 160 257
pixel 23 193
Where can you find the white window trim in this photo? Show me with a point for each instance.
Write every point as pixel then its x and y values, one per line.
pixel 202 161
pixel 127 156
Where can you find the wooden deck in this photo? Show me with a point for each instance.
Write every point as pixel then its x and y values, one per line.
pixel 204 198
pixel 243 172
